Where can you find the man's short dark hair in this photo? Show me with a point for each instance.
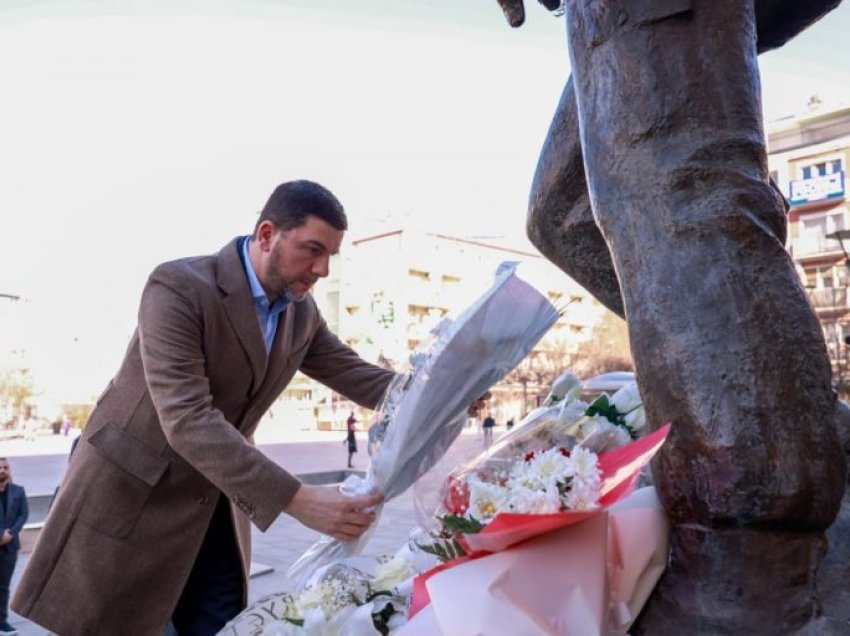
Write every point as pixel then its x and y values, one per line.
pixel 292 202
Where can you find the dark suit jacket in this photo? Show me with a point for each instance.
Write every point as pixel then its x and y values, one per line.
pixel 172 430
pixel 15 515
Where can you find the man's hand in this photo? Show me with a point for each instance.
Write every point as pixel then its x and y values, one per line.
pixel 515 11
pixel 327 510
pixel 6 538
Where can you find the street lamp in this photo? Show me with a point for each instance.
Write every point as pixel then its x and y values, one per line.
pixel 840 236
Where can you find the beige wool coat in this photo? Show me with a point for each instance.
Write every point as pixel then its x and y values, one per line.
pixel 171 431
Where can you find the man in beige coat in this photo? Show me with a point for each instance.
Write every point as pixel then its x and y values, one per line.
pixel 151 524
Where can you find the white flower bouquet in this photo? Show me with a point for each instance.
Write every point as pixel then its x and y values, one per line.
pixel 356 596
pixel 545 526
pixel 424 411
pixel 564 421
pixel 546 539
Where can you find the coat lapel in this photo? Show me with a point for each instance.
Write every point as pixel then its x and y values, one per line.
pixel 290 323
pixel 239 307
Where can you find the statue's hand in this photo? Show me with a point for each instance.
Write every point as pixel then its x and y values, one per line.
pixel 515 11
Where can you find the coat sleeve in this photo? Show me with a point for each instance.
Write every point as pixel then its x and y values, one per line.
pixel 334 364
pixel 171 325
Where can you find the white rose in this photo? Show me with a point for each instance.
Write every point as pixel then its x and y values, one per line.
pixel 391 573
pixel 636 419
pixel 627 398
pixel 566 385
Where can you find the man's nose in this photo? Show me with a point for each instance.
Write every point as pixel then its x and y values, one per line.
pixel 321 266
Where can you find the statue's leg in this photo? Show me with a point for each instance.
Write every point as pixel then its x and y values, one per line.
pixel 560 222
pixel 725 342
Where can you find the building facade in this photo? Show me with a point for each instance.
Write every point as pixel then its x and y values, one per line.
pixel 388 290
pixel 807 159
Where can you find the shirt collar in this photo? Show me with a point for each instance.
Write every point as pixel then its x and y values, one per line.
pixel 257 290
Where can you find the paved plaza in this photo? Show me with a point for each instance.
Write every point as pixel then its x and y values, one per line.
pixel 39 465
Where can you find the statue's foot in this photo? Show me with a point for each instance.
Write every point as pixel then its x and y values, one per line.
pixel 736 581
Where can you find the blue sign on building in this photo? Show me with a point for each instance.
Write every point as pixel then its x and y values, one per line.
pixel 817 188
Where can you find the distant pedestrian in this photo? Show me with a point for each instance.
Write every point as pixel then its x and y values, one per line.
pixel 509 424
pixel 488 425
pixel 351 425
pixel 13 516
pixel 66 426
pixel 30 425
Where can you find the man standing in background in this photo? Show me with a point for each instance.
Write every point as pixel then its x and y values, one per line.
pixel 14 511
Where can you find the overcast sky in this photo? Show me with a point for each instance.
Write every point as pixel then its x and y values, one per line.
pixel 135 132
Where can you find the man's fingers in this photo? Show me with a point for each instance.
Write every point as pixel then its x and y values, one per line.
pixel 552 5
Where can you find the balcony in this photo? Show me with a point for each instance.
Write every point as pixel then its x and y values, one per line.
pixel 819 188
pixel 813 244
pixel 829 298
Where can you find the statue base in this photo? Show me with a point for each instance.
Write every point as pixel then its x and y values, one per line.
pixel 738 581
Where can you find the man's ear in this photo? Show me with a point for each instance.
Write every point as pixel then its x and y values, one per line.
pixel 265 235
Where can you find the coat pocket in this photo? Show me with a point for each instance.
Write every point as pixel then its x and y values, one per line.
pixel 118 487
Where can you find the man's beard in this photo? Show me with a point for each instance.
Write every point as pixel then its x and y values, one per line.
pixel 283 286
pixel 293 296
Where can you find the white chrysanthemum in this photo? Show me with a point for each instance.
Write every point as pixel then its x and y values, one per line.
pixel 584 464
pixel 328 596
pixel 485 500
pixel 529 501
pixel 543 470
pixel 583 493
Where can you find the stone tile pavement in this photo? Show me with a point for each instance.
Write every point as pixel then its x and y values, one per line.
pixel 280 546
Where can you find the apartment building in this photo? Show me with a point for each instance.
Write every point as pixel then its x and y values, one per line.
pixel 388 290
pixel 808 160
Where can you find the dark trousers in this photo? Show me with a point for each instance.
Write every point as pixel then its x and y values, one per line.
pixel 8 558
pixel 213 593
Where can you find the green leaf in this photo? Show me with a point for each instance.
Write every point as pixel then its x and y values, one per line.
pixel 444 549
pixel 459 523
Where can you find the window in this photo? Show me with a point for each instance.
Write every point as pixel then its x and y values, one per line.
pixel 822 168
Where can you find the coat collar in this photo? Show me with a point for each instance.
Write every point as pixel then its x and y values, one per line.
pixel 239 307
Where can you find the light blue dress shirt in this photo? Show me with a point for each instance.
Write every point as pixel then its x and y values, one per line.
pixel 268 315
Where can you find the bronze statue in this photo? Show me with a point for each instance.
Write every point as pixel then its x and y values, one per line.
pixel 652 192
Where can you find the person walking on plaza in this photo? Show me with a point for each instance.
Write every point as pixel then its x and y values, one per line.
pixel 14 511
pixel 151 525
pixel 488 425
pixel 350 439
